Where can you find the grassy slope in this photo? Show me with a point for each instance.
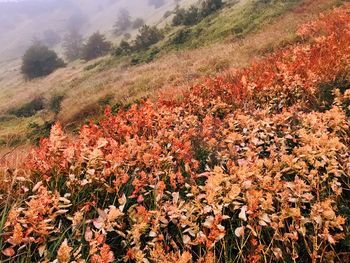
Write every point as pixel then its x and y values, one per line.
pixel 262 30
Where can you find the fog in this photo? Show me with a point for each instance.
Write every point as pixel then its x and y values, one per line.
pixel 22 22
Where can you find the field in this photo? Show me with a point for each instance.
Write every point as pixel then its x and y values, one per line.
pixel 248 165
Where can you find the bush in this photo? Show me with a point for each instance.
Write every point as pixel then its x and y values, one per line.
pixel 194 14
pixel 144 56
pixel 96 46
pixel 179 17
pixel 138 23
pixel 147 36
pixel 123 49
pixel 180 37
pixel 29 109
pixel 55 103
pixel 210 6
pixel 39 61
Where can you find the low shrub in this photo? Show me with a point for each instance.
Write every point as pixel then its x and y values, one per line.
pixel 29 109
pixel 39 61
pixel 55 103
pixel 96 46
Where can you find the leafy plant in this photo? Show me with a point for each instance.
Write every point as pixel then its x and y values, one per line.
pixel 39 61
pixel 55 103
pixel 96 46
pixel 30 108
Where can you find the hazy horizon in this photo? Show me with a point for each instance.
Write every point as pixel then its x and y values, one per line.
pixel 21 21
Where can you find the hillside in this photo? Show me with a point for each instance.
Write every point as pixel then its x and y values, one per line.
pixel 88 87
pixel 251 165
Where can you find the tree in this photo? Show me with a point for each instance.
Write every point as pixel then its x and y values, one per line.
pixel 210 6
pixel 124 48
pixel 72 45
pixel 178 19
pixel 192 16
pixel 123 21
pixel 187 17
pixel 96 46
pixel 138 22
pixel 156 3
pixel 40 61
pixel 147 36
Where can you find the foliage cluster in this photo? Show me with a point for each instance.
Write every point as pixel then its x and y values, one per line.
pixel 29 109
pixel 139 48
pixel 247 167
pixel 124 22
pixel 40 61
pixel 194 14
pixel 156 3
pixel 96 46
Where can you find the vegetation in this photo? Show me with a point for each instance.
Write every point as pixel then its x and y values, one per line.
pixel 55 103
pixel 236 23
pixel 73 45
pixel 147 37
pixel 194 14
pixel 29 109
pixel 39 61
pixel 156 3
pixel 138 22
pixel 123 22
pixel 246 167
pixel 140 50
pixel 96 46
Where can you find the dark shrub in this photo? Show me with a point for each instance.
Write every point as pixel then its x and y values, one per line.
pixel 55 103
pixel 210 6
pixel 39 61
pixel 179 17
pixel 96 46
pixel 138 23
pixel 156 3
pixel 123 49
pixel 180 37
pixel 193 15
pixel 147 36
pixel 29 109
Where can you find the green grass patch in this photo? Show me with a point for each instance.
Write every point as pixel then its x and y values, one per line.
pixel 236 20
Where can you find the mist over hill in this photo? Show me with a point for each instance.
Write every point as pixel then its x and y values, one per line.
pixel 21 22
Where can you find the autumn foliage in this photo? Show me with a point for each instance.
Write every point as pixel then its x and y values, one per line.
pixel 251 166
